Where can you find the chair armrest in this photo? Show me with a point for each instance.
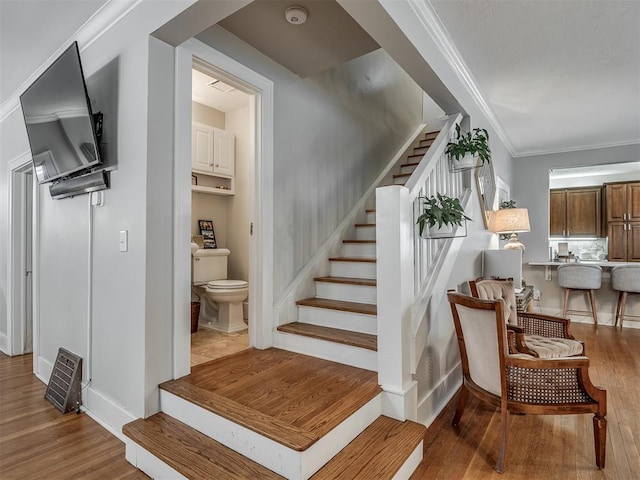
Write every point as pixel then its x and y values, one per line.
pixel 545 325
pixel 553 381
pixel 517 342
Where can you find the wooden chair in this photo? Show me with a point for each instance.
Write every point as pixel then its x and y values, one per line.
pixel 520 383
pixel 542 336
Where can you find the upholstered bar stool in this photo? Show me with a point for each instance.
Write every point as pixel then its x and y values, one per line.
pixel 625 279
pixel 580 277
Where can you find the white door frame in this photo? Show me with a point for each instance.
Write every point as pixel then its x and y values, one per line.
pixel 261 312
pixel 16 257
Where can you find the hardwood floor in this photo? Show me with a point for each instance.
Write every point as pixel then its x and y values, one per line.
pixel 549 447
pixel 37 441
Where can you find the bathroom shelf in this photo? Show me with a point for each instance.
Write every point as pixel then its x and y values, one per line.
pixel 211 190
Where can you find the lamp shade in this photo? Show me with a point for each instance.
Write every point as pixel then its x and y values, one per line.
pixel 509 220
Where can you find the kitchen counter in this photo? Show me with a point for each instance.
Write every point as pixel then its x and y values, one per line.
pixel 601 263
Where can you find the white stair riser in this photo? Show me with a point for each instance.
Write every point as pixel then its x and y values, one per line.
pixel 336 352
pixel 282 460
pixel 346 292
pixel 362 250
pixel 366 233
pixel 324 317
pixel 149 463
pixel 353 269
pixel 371 217
pixel 407 168
pixel 411 464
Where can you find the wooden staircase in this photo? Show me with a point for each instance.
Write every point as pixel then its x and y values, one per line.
pixel 340 321
pixel 276 413
pixel 273 414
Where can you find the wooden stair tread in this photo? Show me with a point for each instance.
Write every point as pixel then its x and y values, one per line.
pixel 191 453
pixel 433 134
pixel 365 224
pixel 370 210
pixel 348 281
pixel 336 335
pixel 415 164
pixel 353 307
pixel 358 241
pixel 352 259
pixel 266 425
pixel 378 452
pixel 401 175
pixel 417 155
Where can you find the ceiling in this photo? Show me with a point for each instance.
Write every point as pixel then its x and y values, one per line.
pixel 557 75
pixel 225 102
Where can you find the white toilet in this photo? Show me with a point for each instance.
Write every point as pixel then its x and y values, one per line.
pixel 217 292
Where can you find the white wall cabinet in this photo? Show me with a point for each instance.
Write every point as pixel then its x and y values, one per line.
pixel 213 154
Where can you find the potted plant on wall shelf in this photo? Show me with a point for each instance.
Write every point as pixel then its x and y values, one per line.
pixel 468 150
pixel 441 217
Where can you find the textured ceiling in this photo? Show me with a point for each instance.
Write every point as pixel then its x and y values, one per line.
pixel 559 75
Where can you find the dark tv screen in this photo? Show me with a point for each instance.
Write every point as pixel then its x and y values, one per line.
pixel 59 121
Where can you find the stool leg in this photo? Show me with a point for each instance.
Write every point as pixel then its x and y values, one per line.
pixel 566 301
pixel 593 306
pixel 623 302
pixel 615 324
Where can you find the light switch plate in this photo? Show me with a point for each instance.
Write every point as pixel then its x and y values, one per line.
pixel 124 240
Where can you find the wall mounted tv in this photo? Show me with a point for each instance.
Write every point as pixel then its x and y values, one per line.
pixel 60 125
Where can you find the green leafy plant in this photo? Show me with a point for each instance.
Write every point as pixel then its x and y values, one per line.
pixel 441 210
pixel 475 143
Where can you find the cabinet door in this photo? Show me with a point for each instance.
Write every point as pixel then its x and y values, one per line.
pixel 583 212
pixel 633 202
pixel 616 202
pixel 224 156
pixel 633 242
pixel 557 212
pixel 202 148
pixel 617 234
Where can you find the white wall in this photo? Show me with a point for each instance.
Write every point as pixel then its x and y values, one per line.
pixel 333 134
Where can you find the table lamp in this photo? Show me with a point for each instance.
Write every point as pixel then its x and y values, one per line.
pixel 511 220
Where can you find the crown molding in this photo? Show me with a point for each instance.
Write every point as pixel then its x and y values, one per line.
pixel 91 30
pixel 577 148
pixel 427 16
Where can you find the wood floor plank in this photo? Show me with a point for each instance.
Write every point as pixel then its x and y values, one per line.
pixel 378 452
pixel 37 441
pixel 191 453
pixel 355 339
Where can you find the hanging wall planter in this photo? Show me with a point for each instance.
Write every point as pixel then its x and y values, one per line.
pixel 442 217
pixel 468 150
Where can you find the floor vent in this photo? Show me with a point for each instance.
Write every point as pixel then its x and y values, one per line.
pixel 64 390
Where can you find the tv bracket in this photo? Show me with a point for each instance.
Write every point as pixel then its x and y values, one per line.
pixel 97 125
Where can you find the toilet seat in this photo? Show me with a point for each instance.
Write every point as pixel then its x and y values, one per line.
pixel 227 284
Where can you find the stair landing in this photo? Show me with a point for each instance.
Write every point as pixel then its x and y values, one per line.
pixel 290 398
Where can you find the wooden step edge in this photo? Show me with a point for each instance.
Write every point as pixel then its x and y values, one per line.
pixel 335 335
pixel 365 224
pixel 284 433
pixel 420 155
pixel 378 452
pixel 358 241
pixel 352 259
pixel 370 210
pixel 366 282
pixel 432 135
pixel 415 164
pixel 421 147
pixel 401 175
pixel 341 305
pixel 190 452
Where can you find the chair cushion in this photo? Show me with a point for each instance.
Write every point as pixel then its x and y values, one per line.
pixel 584 277
pixel 547 347
pixel 496 289
pixel 626 278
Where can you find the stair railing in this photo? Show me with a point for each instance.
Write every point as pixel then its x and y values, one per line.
pixel 408 269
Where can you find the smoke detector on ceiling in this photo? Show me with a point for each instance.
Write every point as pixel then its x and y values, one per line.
pixel 296 15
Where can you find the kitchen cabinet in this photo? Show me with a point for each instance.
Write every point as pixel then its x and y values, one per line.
pixel 623 221
pixel 575 212
pixel 212 151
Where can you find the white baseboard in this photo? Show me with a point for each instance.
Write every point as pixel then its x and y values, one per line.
pixel 105 412
pixel 4 344
pixel 44 370
pixel 606 319
pixel 431 404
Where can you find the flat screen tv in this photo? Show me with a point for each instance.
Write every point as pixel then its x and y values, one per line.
pixel 60 124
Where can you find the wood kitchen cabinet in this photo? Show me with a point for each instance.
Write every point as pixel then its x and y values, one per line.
pixel 623 221
pixel 575 212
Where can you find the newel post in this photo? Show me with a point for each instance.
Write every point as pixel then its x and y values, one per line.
pixel 394 247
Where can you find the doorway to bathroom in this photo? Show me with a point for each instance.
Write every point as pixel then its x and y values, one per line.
pixel 222 179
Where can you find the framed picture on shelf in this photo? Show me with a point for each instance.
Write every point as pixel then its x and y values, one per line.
pixel 208 234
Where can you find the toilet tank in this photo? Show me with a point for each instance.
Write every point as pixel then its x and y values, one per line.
pixel 209 264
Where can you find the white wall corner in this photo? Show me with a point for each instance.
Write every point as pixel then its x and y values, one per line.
pixel 436 399
pixel 4 345
pixel 401 404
